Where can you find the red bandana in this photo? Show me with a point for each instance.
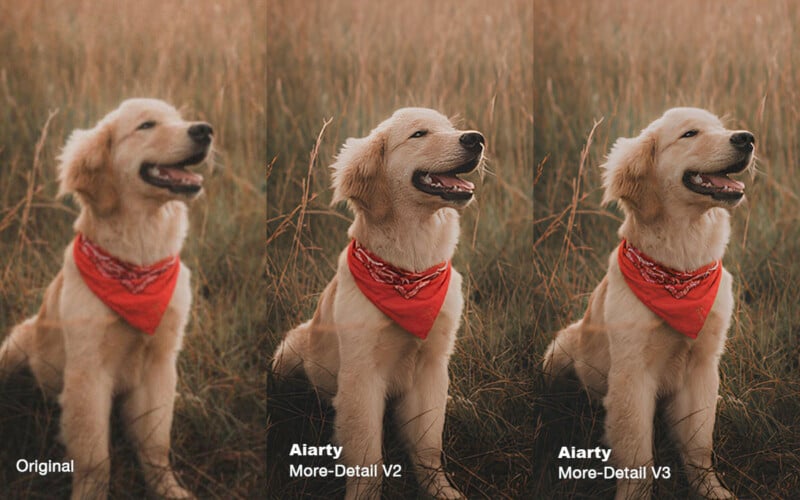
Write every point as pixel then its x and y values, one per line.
pixel 139 294
pixel 412 300
pixel 682 299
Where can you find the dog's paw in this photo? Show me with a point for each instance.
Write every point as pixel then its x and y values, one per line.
pixel 706 484
pixel 711 488
pixel 169 489
pixel 178 493
pixel 440 488
pixel 450 493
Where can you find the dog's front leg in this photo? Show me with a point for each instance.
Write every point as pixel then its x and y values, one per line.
pixel 360 403
pixel 420 415
pixel 691 411
pixel 147 412
pixel 630 407
pixel 85 412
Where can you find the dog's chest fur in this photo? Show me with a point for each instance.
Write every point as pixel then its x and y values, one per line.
pixel 670 352
pixel 129 351
pixel 438 345
pixel 397 354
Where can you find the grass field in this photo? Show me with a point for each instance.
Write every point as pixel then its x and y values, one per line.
pixel 625 63
pixel 65 64
pixel 354 63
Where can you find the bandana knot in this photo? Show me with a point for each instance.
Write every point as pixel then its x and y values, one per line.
pixel 683 299
pixel 411 299
pixel 138 294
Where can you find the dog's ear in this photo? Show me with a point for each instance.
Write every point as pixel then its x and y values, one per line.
pixel 85 169
pixel 359 175
pixel 629 175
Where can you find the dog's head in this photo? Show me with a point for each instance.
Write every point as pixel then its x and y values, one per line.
pixel 141 150
pixel 411 160
pixel 681 161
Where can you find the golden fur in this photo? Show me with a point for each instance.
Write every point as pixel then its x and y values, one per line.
pixel 623 351
pixel 350 350
pixel 76 346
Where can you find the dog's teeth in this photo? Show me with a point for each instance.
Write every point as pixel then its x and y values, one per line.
pixel 153 171
pixel 697 179
pixel 427 179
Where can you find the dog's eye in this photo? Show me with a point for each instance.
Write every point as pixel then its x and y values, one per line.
pixel 418 133
pixel 690 133
pixel 146 125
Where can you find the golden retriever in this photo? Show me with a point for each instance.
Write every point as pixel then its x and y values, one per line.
pixel 402 184
pixel 129 176
pixel 672 184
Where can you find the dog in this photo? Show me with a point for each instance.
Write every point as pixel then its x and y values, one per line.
pixel 385 326
pixel 656 325
pixel 112 321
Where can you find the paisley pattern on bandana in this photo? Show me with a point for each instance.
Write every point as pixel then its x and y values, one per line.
pixel 138 294
pixel 677 283
pixel 411 299
pixel 683 299
pixel 134 278
pixel 407 283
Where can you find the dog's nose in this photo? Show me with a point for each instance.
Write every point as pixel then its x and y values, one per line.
pixel 201 133
pixel 471 140
pixel 743 141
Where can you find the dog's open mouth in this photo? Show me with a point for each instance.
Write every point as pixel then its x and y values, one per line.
pixel 447 185
pixel 174 176
pixel 717 184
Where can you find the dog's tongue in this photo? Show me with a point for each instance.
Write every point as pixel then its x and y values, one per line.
pixel 723 181
pixel 452 182
pixel 179 175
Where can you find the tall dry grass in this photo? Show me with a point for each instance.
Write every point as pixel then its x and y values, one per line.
pixel 76 60
pixel 625 63
pixel 353 63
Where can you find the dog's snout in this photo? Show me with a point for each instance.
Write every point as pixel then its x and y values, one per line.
pixel 201 133
pixel 743 141
pixel 471 140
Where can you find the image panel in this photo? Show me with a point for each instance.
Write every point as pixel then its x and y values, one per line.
pixel 132 290
pixel 664 242
pixel 399 218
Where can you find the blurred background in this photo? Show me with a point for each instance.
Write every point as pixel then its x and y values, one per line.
pixel 64 65
pixel 354 62
pixel 620 65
